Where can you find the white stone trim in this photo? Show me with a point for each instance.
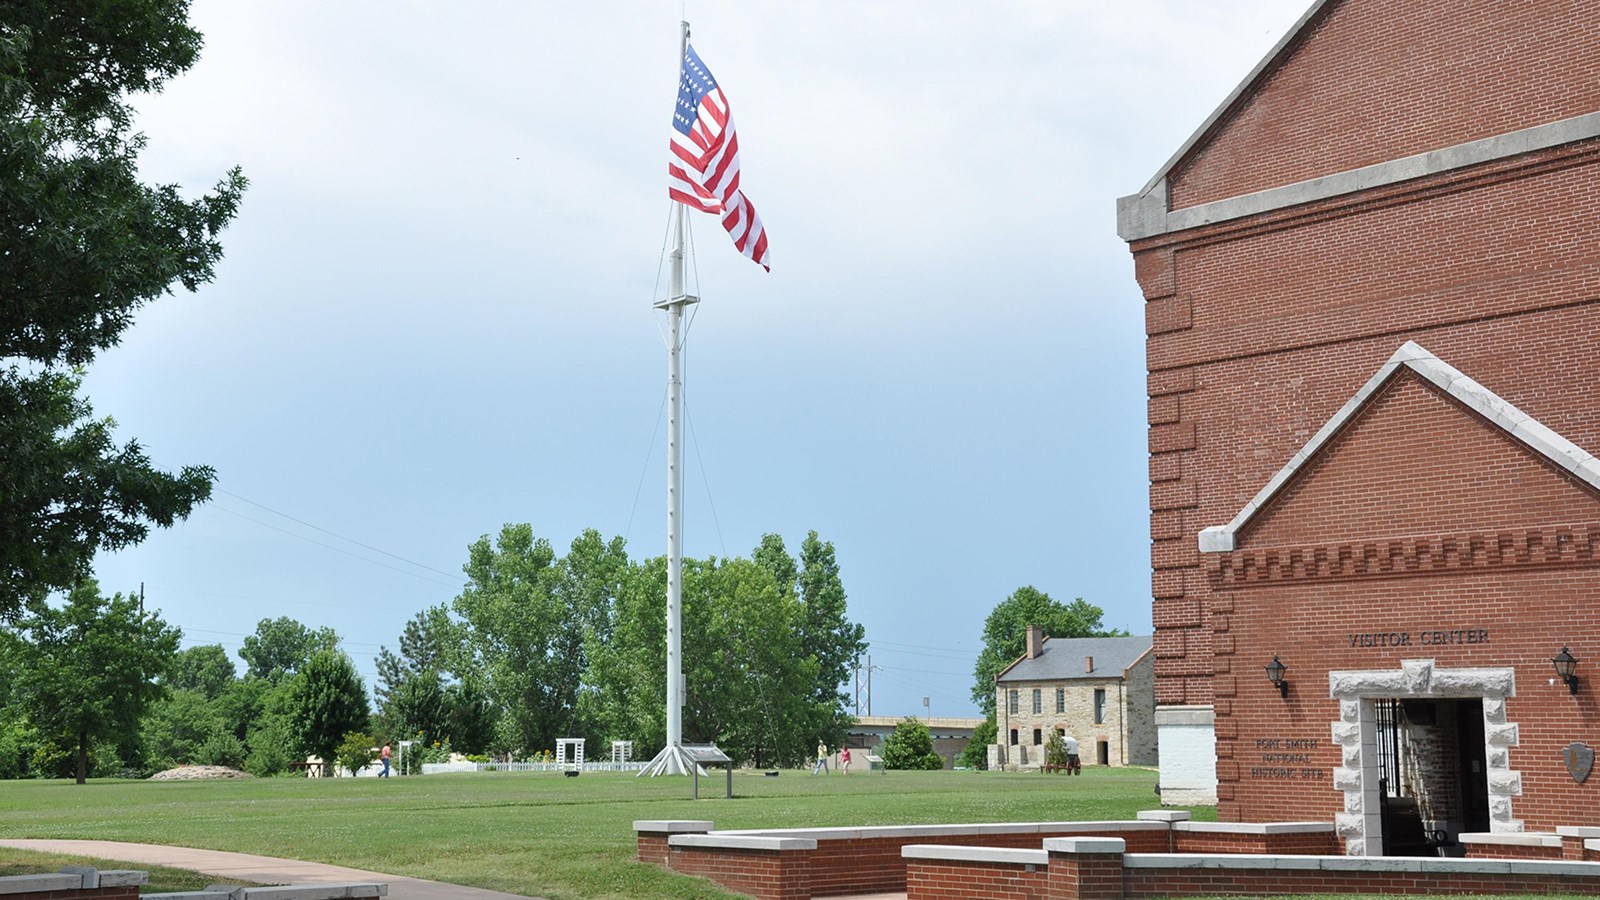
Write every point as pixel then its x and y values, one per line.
pixel 1148 213
pixel 976 854
pixel 671 826
pixel 1398 864
pixel 1578 831
pixel 1355 733
pixel 741 842
pixel 1254 827
pixel 1525 839
pixel 1469 393
pixel 1085 845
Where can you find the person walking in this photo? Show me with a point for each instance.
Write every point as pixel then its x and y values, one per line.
pixel 822 758
pixel 844 759
pixel 1074 764
pixel 385 753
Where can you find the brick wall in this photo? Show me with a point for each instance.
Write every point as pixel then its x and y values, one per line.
pixel 1420 516
pixel 1374 80
pixel 766 875
pixel 928 879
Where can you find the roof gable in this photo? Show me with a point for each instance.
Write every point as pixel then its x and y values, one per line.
pixel 1061 659
pixel 1470 399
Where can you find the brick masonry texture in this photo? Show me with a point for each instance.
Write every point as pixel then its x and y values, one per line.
pixel 1420 516
pixel 928 879
pixel 1374 80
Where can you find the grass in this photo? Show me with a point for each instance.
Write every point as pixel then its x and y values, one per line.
pixel 535 833
pixel 162 880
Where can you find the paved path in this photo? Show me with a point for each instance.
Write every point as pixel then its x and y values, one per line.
pixel 260 869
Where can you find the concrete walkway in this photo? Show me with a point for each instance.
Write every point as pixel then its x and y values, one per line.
pixel 260 869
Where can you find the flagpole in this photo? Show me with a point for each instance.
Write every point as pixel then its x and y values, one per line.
pixel 672 760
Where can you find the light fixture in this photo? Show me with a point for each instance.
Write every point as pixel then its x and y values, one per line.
pixel 1565 664
pixel 1275 670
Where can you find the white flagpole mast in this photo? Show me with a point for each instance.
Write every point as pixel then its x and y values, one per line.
pixel 672 760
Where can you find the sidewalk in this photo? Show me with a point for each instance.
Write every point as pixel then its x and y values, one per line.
pixel 260 869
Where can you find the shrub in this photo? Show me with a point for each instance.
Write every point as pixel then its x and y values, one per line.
pixel 976 756
pixel 221 750
pixel 911 747
pixel 355 752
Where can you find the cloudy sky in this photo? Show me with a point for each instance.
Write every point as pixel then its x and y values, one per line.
pixel 435 313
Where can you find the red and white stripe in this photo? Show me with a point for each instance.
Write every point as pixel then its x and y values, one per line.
pixel 703 173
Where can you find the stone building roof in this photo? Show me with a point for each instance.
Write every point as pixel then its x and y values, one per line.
pixel 1064 659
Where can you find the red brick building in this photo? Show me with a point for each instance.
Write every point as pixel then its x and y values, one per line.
pixel 1372 285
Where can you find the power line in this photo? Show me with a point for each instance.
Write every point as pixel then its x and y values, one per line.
pixel 336 549
pixel 455 575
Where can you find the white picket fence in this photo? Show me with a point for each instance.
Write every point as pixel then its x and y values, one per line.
pixel 588 766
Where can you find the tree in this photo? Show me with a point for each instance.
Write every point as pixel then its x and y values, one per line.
pixel 355 752
pixel 90 669
pixel 419 704
pixel 175 727
pixel 281 647
pixel 472 716
pixel 828 637
pixel 326 702
pixel 1005 634
pixel 910 746
pixel 83 245
pixel 976 754
pixel 205 669
pixel 425 646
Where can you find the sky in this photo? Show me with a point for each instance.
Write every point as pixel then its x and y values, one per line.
pixel 434 315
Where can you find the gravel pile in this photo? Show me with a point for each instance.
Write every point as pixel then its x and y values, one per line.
pixel 192 773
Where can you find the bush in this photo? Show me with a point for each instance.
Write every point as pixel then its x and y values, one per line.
pixel 355 752
pixel 221 750
pixel 976 756
pixel 911 747
pixel 1055 750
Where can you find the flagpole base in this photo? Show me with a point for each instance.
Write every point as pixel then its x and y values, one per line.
pixel 672 760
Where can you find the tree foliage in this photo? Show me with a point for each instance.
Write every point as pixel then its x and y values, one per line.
pixel 205 669
pixel 326 701
pixel 910 746
pixel 90 669
pixel 827 636
pixel 282 647
pixel 976 754
pixel 83 245
pixel 1005 634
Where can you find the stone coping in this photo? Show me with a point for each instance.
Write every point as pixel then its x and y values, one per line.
pixel 72 878
pixel 921 831
pixel 1164 815
pixel 997 855
pixel 1256 827
pixel 725 841
pixel 1511 839
pixel 1592 844
pixel 40 884
pixel 190 895
pixel 671 826
pixel 1579 831
pixel 1086 845
pixel 1420 864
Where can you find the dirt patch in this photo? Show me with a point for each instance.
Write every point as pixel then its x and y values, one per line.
pixel 195 773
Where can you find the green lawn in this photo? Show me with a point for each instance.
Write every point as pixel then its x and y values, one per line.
pixel 536 833
pixel 162 880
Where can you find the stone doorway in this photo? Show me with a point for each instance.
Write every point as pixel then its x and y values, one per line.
pixel 1390 720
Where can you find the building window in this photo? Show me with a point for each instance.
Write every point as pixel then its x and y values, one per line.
pixel 1038 701
pixel 1038 737
pixel 1099 706
pixel 1013 735
pixel 1011 704
pixel 1061 700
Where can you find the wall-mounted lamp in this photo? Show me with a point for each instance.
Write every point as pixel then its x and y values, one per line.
pixel 1565 664
pixel 1275 670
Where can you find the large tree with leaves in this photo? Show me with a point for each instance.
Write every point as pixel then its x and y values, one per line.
pixel 1005 634
pixel 282 647
pixel 83 245
pixel 326 701
pixel 91 667
pixel 827 636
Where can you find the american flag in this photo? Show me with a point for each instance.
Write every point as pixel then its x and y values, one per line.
pixel 703 170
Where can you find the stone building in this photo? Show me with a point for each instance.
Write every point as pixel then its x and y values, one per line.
pixel 1372 295
pixel 1100 691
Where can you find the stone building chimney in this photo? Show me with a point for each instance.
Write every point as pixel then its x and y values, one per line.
pixel 1088 665
pixel 1035 641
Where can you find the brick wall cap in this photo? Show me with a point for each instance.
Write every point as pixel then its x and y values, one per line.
pixel 1592 844
pixel 951 830
pixel 1000 855
pixel 671 826
pixel 332 891
pixel 40 884
pixel 1085 845
pixel 1256 827
pixel 190 895
pixel 123 877
pixel 1511 839
pixel 1420 864
pixel 1165 815
pixel 726 841
pixel 1186 715
pixel 1579 831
